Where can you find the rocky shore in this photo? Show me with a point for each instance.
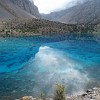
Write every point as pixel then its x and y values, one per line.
pixel 90 94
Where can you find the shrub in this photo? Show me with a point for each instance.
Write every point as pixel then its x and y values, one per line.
pixel 41 97
pixel 59 92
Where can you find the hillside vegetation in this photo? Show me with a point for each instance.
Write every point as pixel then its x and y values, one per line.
pixel 30 27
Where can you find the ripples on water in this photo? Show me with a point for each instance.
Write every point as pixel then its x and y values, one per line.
pixel 29 66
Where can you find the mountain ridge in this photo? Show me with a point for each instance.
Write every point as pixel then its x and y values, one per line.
pixel 87 12
pixel 16 20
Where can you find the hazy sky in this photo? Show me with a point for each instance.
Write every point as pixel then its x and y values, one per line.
pixel 47 6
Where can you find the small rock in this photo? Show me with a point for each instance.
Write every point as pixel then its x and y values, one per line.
pixel 94 88
pixel 68 97
pixel 48 99
pixel 85 94
pixel 89 90
pixel 17 99
pixel 27 98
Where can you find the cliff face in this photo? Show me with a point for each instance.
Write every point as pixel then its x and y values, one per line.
pixel 27 6
pixel 10 9
pixel 88 12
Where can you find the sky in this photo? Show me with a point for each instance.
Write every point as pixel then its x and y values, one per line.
pixel 47 6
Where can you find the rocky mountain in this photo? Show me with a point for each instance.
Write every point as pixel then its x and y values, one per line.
pixel 27 6
pixel 21 18
pixel 88 12
pixel 10 9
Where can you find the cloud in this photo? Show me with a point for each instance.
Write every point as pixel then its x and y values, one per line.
pixel 47 6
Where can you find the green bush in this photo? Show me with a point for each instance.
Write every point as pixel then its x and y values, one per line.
pixel 59 92
pixel 41 97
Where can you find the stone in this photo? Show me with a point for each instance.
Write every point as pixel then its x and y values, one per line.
pixel 28 98
pixel 94 88
pixel 85 94
pixel 17 99
pixel 89 90
pixel 48 99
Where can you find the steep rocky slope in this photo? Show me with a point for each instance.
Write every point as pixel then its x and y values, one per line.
pixel 88 12
pixel 27 6
pixel 11 10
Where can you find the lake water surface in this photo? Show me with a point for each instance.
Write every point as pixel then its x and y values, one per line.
pixel 33 65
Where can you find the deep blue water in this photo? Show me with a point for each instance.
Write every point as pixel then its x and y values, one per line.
pixel 31 65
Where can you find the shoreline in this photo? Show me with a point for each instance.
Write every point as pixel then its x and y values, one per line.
pixel 89 94
pixel 31 34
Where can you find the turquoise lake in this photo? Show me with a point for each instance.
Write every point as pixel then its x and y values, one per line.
pixel 33 65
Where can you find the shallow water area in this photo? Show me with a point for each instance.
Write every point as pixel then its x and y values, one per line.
pixel 32 65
